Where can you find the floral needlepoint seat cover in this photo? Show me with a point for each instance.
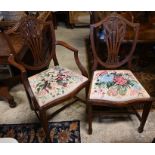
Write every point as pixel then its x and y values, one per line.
pixel 116 85
pixel 54 83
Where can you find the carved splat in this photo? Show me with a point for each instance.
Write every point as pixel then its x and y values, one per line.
pixel 114 31
pixel 39 39
pixel 31 32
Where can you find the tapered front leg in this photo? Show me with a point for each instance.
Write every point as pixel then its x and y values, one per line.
pixel 12 103
pixel 89 118
pixel 87 90
pixel 146 110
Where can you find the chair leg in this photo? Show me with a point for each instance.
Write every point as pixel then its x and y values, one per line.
pixel 146 110
pixel 89 118
pixel 86 91
pixel 44 122
pixel 11 101
pixel 4 95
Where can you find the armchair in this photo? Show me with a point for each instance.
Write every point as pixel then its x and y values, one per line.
pixel 45 87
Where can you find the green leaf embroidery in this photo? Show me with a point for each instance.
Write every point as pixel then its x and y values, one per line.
pixel 122 90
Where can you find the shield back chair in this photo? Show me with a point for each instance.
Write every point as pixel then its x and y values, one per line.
pixel 113 87
pixel 45 87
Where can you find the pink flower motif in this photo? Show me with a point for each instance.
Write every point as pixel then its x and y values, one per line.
pixel 33 85
pixel 42 93
pixel 59 78
pixel 101 73
pixel 65 84
pixel 133 92
pixel 99 92
pixel 112 92
pixel 120 80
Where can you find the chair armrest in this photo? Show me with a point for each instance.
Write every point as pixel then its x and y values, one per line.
pixel 62 43
pixel 28 89
pixel 12 61
pixel 76 57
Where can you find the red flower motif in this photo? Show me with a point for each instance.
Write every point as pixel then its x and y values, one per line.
pixel 59 78
pixel 120 80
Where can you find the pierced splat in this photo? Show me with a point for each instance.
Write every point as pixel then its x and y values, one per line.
pixel 114 31
pixel 36 36
pixel 114 28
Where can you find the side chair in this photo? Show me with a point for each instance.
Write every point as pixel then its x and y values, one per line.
pixel 113 86
pixel 46 87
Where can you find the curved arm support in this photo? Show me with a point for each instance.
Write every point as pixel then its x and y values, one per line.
pixel 29 92
pixel 80 66
pixel 12 61
pixel 64 44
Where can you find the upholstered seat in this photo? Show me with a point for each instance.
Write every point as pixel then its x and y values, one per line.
pixel 54 83
pixel 116 85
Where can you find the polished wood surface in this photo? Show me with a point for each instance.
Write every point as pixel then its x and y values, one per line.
pixel 5 86
pixel 5 51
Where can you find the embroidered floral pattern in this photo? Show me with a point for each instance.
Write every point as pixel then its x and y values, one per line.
pixel 116 85
pixel 53 83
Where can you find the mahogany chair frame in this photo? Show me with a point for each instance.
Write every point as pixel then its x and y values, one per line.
pixel 32 38
pixel 118 25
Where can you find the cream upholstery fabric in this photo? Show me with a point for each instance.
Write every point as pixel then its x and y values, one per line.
pixel 116 85
pixel 54 83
